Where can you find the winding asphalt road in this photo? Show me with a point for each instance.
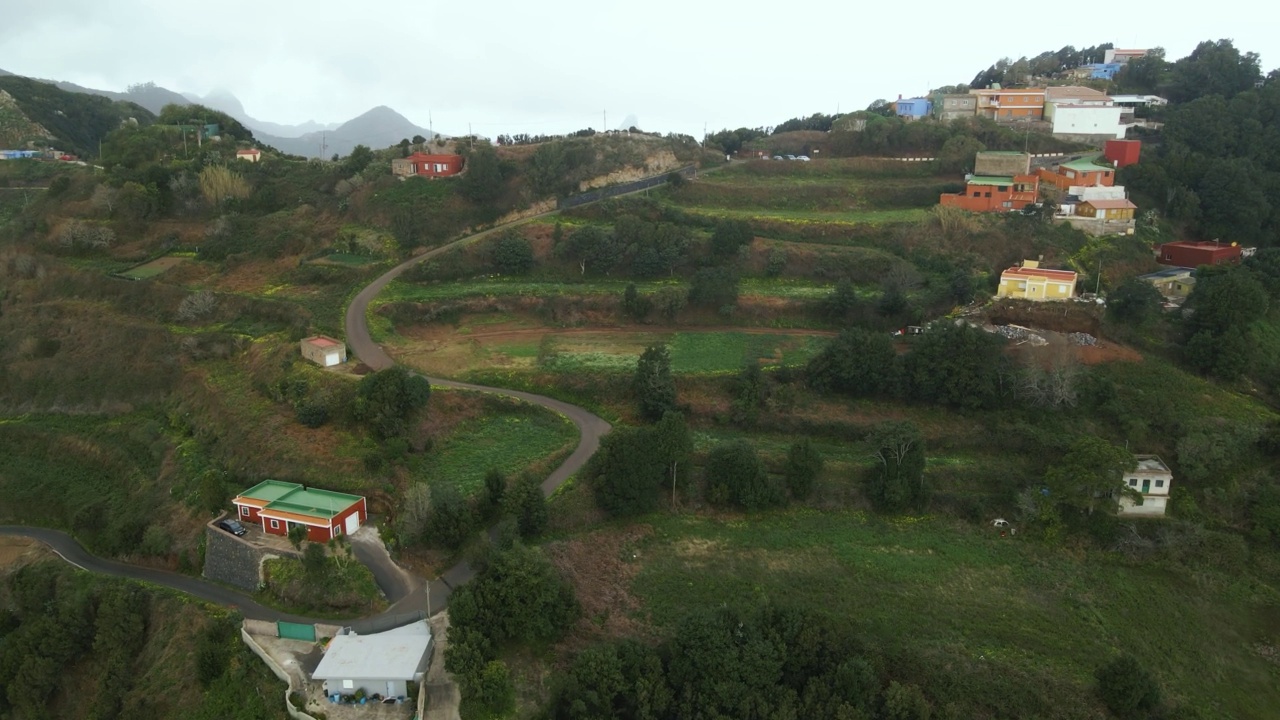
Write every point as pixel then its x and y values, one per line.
pixel 407 595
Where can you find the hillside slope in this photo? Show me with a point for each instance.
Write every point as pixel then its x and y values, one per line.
pixel 378 128
pixel 77 122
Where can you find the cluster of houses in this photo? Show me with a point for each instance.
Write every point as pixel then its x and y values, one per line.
pixel 1004 181
pixel 1070 112
pixel 47 154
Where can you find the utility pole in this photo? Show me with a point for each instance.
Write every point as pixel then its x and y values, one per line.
pixel 1097 286
pixel 471 136
pixel 324 144
pixel 431 127
pixel 605 126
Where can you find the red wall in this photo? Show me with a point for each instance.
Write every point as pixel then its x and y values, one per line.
pixel 1123 152
pixel 252 517
pixel 339 520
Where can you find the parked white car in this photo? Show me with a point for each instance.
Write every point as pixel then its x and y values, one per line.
pixel 803 157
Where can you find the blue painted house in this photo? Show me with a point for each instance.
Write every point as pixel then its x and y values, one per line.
pixel 18 154
pixel 913 108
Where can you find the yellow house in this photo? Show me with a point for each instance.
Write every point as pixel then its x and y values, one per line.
pixel 1031 282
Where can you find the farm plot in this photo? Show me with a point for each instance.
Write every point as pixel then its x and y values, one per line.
pixel 151 269
pixel 608 351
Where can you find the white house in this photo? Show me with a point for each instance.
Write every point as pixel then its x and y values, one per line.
pixel 1152 479
pixel 383 663
pixel 1077 119
pixel 251 154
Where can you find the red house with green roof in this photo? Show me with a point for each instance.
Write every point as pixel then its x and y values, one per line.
pixel 277 506
pixel 991 193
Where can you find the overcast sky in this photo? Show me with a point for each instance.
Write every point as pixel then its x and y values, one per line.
pixel 556 65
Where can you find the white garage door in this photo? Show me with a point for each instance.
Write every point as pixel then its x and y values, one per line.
pixel 331 359
pixel 353 522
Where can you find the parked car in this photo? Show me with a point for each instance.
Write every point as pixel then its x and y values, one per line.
pixel 778 157
pixel 791 157
pixel 232 526
pixel 803 157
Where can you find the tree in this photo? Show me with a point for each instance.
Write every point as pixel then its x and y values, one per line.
pixel 1219 333
pixel 1134 303
pixel 594 248
pixel 495 488
pixel 1213 68
pixel 955 365
pixel 482 182
pixel 728 237
pixel 752 393
pixel 1127 688
pixel 625 474
pixel 897 482
pixel 715 287
pixel 840 305
pixel 959 153
pixel 450 520
pixel 673 445
pixel 516 597
pixel 297 534
pixel 493 690
pixel 390 400
pixel 857 362
pixel 512 254
pixel 905 702
pixel 804 465
pixel 635 305
pixel 735 475
pixel 357 161
pixel 418 140
pixel 528 505
pixel 654 387
pixel 1089 476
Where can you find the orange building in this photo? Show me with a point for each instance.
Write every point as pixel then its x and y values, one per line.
pixel 1080 173
pixel 1010 105
pixel 988 193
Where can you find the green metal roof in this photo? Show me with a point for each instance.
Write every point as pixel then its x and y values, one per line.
pixel 270 490
pixel 989 180
pixel 1087 165
pixel 294 498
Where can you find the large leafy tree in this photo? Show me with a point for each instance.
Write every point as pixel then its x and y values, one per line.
pixel 1226 303
pixel 1089 476
pixel 1214 68
pixel 955 365
pixel 390 400
pixel 804 465
pixel 634 466
pixel 482 182
pixel 857 362
pixel 896 481
pixel 1127 688
pixel 1134 303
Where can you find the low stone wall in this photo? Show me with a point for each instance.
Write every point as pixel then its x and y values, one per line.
pixel 279 672
pixel 235 561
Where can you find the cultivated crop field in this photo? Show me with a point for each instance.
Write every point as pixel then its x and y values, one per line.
pixel 969 603
pixel 510 436
pixel 439 352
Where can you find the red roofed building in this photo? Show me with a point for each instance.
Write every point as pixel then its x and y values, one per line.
pixel 1190 254
pixel 251 154
pixel 1080 173
pixel 1029 281
pixel 427 165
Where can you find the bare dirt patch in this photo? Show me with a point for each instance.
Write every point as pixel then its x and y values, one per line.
pixel 601 566
pixel 16 552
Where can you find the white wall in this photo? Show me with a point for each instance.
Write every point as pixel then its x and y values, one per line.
pixel 1152 506
pixel 1135 482
pixel 1097 193
pixel 1093 120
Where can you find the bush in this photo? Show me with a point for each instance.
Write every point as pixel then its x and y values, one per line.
pixel 1127 688
pixel 804 464
pixel 528 505
pixel 654 387
pixel 451 520
pixel 734 474
pixel 512 254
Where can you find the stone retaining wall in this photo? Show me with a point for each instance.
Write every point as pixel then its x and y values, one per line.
pixel 231 560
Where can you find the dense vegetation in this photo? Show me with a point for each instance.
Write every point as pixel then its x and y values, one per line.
pixel 75 645
pixel 77 121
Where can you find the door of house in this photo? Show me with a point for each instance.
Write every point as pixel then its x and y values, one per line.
pixel 1146 486
pixel 391 689
pixel 353 522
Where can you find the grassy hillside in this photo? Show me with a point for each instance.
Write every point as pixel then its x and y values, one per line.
pixel 76 121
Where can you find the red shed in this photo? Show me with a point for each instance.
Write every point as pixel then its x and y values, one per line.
pixel 1122 152
pixel 1185 253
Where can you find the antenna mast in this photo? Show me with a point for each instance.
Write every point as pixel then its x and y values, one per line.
pixel 324 145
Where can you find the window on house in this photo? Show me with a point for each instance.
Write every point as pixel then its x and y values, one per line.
pixel 244 511
pixel 275 524
pixel 988 194
pixel 337 530
pixel 1002 188
pixel 348 684
pixel 1007 204
pixel 1159 483
pixel 1133 482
